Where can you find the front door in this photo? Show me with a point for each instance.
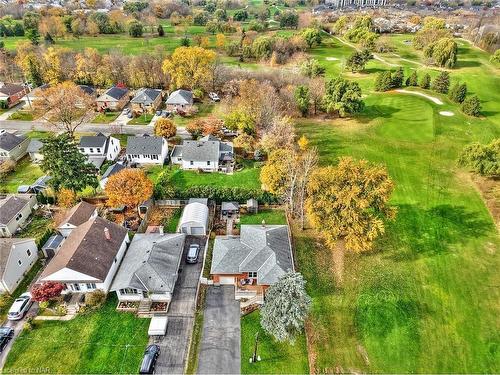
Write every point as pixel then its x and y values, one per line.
pixel 75 287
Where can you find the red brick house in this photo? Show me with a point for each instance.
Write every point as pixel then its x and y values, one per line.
pixel 11 94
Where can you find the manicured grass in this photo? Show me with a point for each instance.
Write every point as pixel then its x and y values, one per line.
pixel 25 173
pixel 22 116
pixel 271 217
pixel 276 358
pixel 105 117
pixel 204 109
pixel 103 341
pixel 422 301
pixel 141 120
pixel 37 228
pixel 173 221
pixel 122 138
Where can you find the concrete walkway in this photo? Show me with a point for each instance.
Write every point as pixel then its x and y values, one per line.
pixel 220 350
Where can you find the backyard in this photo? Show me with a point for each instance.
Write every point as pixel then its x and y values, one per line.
pixel 101 341
pixel 25 173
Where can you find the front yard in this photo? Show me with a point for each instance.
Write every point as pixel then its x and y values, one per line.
pixel 102 341
pixel 25 173
pixel 22 115
pixel 141 120
pixel 105 117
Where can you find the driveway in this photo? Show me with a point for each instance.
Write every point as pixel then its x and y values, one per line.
pixel 175 344
pixel 220 351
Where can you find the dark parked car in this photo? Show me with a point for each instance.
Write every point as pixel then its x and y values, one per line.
pixel 193 252
pixel 6 334
pixel 149 360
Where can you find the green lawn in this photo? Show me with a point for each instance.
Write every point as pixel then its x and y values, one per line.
pixel 271 217
pixel 25 173
pixel 104 341
pixel 105 117
pixel 276 358
pixel 204 109
pixel 424 300
pixel 141 120
pixel 173 221
pixel 38 228
pixel 22 116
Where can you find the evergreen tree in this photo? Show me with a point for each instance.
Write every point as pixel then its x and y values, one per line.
pixel 425 83
pixel 383 81
pixel 342 97
pixel 48 39
pixel 303 99
pixel 397 78
pixel 412 80
pixel 161 32
pixel 482 159
pixel 458 92
pixel 185 42
pixel 471 106
pixel 286 307
pixel 34 36
pixel 441 83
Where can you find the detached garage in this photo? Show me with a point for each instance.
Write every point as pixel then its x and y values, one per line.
pixel 194 219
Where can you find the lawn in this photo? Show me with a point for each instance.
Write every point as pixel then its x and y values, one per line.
pixel 25 173
pixel 22 116
pixel 141 120
pixel 204 109
pixel 423 301
pixel 271 217
pixel 105 117
pixel 173 221
pixel 38 228
pixel 276 358
pixel 103 341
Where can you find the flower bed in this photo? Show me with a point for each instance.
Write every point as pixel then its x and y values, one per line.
pixel 159 306
pixel 128 305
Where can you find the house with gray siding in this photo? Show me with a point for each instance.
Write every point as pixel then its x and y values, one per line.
pixel 12 147
pixel 14 211
pixel 17 256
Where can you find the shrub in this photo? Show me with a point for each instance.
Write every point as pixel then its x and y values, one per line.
pixel 471 106
pixel 95 298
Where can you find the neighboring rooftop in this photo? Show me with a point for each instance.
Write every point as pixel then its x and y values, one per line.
pixel 79 214
pixel 9 141
pixel 139 145
pixel 87 89
pixel 112 169
pixel 35 145
pixel 11 88
pixel 146 96
pixel 98 140
pixel 116 92
pixel 10 207
pixel 180 97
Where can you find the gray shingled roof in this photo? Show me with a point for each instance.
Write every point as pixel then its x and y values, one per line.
pixel 177 151
pixel 230 206
pixel 146 96
pixel 117 92
pixel 98 140
pixel 79 214
pixel 200 151
pixel 180 97
pixel 9 141
pixel 262 249
pixel 151 263
pixel 112 169
pixel 35 145
pixel 87 89
pixel 10 207
pixel 144 145
pixel 11 89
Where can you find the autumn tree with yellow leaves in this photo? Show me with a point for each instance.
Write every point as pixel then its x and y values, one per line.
pixel 165 128
pixel 129 187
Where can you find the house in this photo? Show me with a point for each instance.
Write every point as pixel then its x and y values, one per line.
pixel 33 150
pixel 89 90
pixel 194 219
pixel 112 169
pixel 51 247
pixel 252 261
pixel 11 94
pixel 146 149
pixel 180 99
pixel 230 208
pixel 12 147
pixel 150 268
pixel 36 94
pixel 89 258
pixel 76 216
pixel 146 100
pixel 208 154
pixel 99 148
pixel 14 211
pixel 114 99
pixel 17 256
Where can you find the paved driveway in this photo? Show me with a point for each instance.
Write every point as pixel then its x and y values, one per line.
pixel 175 344
pixel 220 351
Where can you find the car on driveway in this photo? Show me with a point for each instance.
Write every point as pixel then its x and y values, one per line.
pixel 214 97
pixel 6 334
pixel 193 253
pixel 20 307
pixel 149 360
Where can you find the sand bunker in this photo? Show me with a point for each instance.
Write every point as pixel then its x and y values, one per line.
pixel 446 113
pixel 331 58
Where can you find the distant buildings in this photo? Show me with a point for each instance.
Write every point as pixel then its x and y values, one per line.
pixel 356 3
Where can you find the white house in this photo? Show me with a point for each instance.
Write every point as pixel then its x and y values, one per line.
pixel 180 100
pixel 99 148
pixel 146 149
pixel 14 211
pixel 194 219
pixel 89 258
pixel 34 148
pixel 76 216
pixel 12 147
pixel 17 256
pixel 208 154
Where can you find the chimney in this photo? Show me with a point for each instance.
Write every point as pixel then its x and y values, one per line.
pixel 263 223
pixel 107 234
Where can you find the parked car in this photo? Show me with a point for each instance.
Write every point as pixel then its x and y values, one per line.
pixel 20 307
pixel 126 111
pixel 149 360
pixel 193 252
pixel 214 96
pixel 130 115
pixel 166 114
pixel 6 334
pixel 158 112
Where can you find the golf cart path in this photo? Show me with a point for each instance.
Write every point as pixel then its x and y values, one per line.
pixel 375 56
pixel 431 98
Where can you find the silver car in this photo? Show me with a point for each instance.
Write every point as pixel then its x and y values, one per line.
pixel 193 252
pixel 20 307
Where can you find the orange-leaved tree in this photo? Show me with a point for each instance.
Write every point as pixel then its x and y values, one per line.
pixel 129 187
pixel 165 128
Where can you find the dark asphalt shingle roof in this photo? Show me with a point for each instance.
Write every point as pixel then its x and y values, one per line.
pixel 116 92
pixel 11 89
pixel 146 96
pixel 113 169
pixel 144 145
pixel 98 140
pixel 10 207
pixel 79 214
pixel 9 141
pixel 87 89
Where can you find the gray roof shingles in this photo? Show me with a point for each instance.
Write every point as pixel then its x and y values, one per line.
pixel 180 97
pixel 11 207
pixel 9 141
pixel 144 145
pixel 146 96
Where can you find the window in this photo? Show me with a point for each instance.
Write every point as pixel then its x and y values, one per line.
pixel 91 286
pixel 19 262
pixel 19 216
pixel 128 291
pixel 28 252
pixel 208 162
pixel 155 157
pixel 91 150
pixel 252 275
pixel 191 162
pixel 82 149
pixel 98 149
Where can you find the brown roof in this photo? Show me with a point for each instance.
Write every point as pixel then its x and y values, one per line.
pixel 87 250
pixel 79 214
pixel 11 207
pixel 11 89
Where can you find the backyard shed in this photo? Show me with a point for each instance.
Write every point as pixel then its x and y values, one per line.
pixel 252 206
pixel 194 219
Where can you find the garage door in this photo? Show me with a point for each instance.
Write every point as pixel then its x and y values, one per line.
pixel 197 231
pixel 226 280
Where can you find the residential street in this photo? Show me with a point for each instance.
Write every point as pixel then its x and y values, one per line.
pixel 175 344
pixel 14 125
pixel 220 351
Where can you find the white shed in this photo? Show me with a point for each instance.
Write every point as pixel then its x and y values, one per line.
pixel 194 219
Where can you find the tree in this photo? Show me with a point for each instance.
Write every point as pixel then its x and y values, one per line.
pixel 129 187
pixel 240 120
pixel 312 68
pixel 442 52
pixel 279 135
pixel 65 106
pixel 286 307
pixel 441 83
pixel 195 128
pixel 412 80
pixel 302 98
pixel 303 142
pixel 316 92
pixel 289 19
pixel 397 78
pixel 471 106
pixel 67 166
pixel 458 92
pixel 383 81
pixel 425 83
pixel 342 97
pixel 482 159
pixel 66 198
pixel 262 47
pixel 48 39
pixel 311 36
pixel 165 128
pixel 244 142
pixel 240 15
pixel 348 204
pixel 190 67
pixel 46 291
pixel 160 30
pixel 135 29
pixel 496 56
pixel 220 41
pixel 357 60
pixel 274 174
pixel 31 22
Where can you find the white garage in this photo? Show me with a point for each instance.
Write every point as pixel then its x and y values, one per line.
pixel 194 219
pixel 226 280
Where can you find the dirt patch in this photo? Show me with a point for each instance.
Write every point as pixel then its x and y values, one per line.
pixel 446 113
pixel 338 255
